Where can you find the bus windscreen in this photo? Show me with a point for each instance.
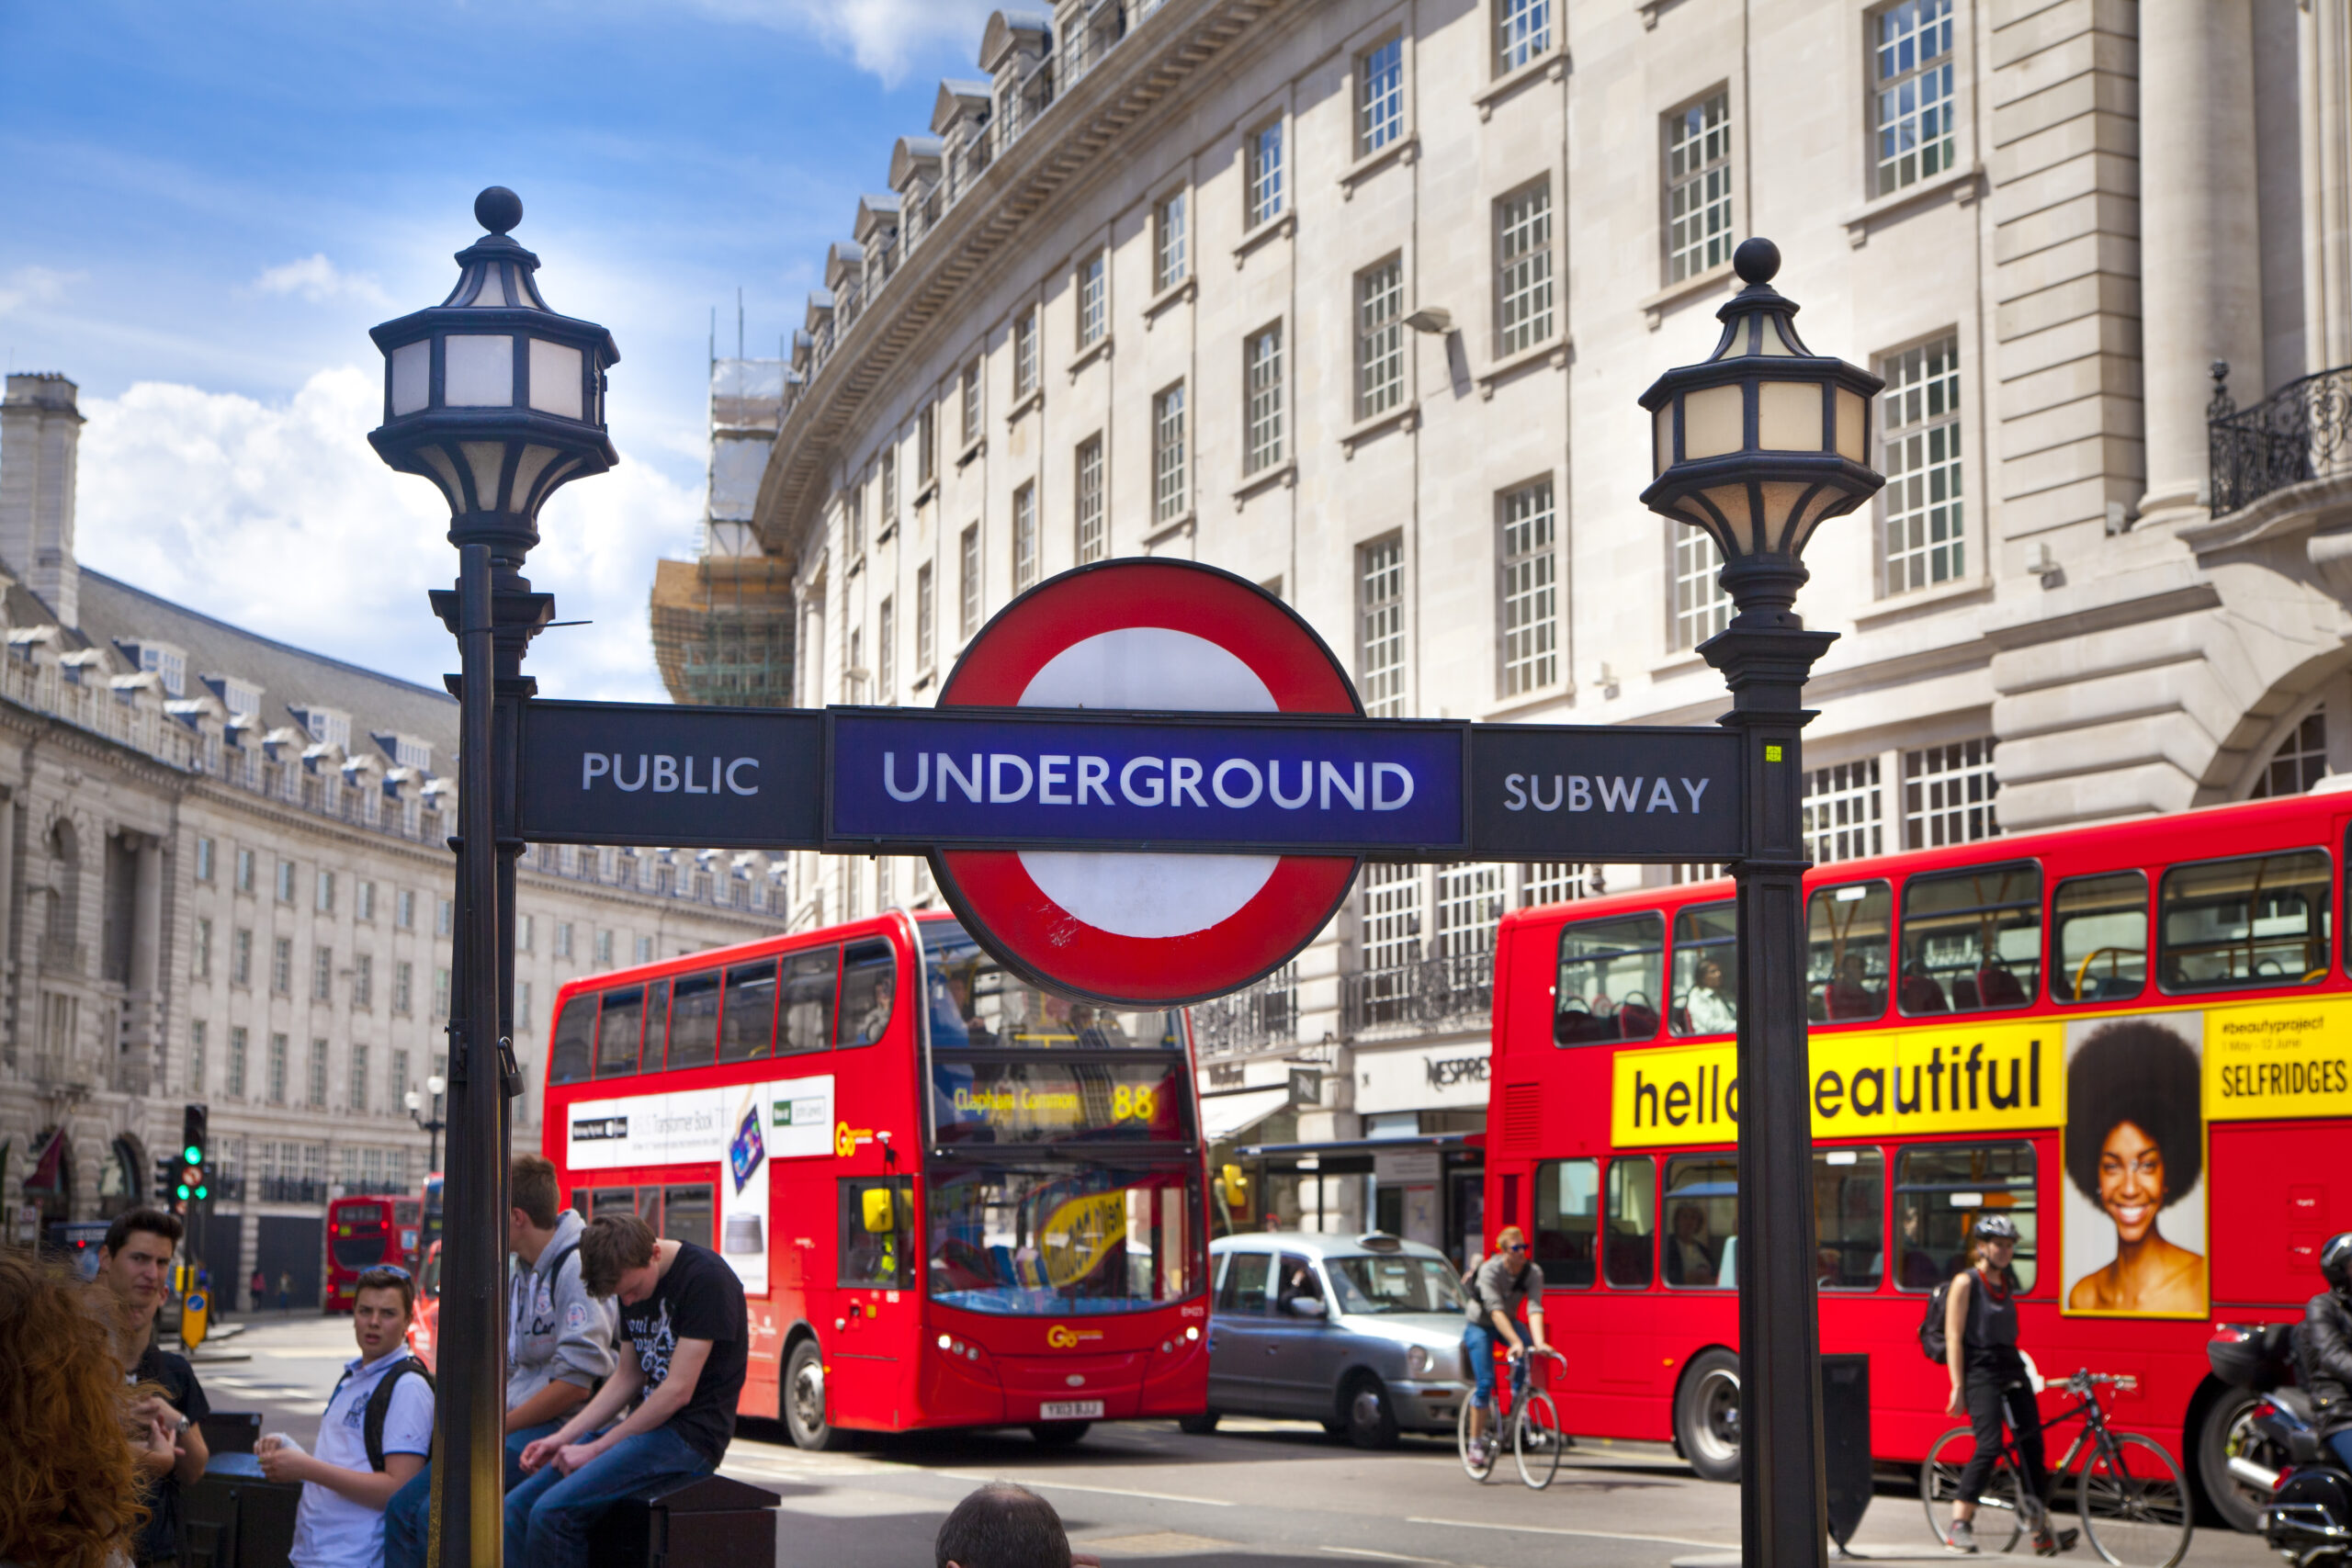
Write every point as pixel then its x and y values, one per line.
pixel 1055 1101
pixel 977 1006
pixel 1053 1241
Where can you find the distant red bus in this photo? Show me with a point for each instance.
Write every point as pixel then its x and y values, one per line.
pixel 363 1232
pixel 954 1200
pixel 1988 1019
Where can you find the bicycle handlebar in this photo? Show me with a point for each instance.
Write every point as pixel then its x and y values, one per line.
pixel 2085 1379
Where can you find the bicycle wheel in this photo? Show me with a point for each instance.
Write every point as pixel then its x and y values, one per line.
pixel 1535 1440
pixel 1998 1522
pixel 1475 1470
pixel 2134 1504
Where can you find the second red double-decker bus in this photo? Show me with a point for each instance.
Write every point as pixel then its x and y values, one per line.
pixel 954 1200
pixel 2135 1040
pixel 369 1231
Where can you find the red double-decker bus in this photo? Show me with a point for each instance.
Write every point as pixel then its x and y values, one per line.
pixel 2135 1040
pixel 366 1231
pixel 954 1200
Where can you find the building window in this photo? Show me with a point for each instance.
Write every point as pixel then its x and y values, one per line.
pixel 1391 917
pixel 241 957
pixel 1380 338
pixel 1702 608
pixel 1025 353
pixel 527 934
pixel 1913 49
pixel 967 558
pixel 564 939
pixel 1556 882
pixel 889 489
pixel 523 1005
pixel 1841 812
pixel 286 882
pixel 926 446
pixel 1170 260
pixel 1265 173
pixel 1093 537
pixel 359 1077
pixel 404 909
pixel 281 965
pixel 1380 623
pixel 321 974
pixel 645 950
pixel 2300 761
pixel 968 401
pixel 396 1080
pixel 603 950
pixel 362 981
pixel 440 992
pixel 886 652
pixel 244 870
pixel 364 901
pixel 203 967
pixel 316 1082
pixel 854 522
pixel 1469 908
pixel 403 982
pixel 235 1084
pixel 1523 32
pixel 196 1057
pixel 1524 269
pixel 1919 417
pixel 1698 187
pixel 1171 496
pixel 326 893
pixel 204 860
pixel 1025 537
pixel 926 639
pixel 1262 354
pixel 1380 97
pixel 1093 298
pixel 278 1047
pixel 1948 795
pixel 445 915
pixel 1529 590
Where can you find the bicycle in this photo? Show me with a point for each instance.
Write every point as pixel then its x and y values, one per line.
pixel 2131 1498
pixel 1531 1420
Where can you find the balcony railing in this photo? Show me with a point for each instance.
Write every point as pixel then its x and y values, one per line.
pixel 290 1188
pixel 376 1187
pixel 2303 431
pixel 1428 994
pixel 1262 1018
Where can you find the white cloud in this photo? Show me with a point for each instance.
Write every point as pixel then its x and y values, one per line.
pixel 882 36
pixel 33 286
pixel 281 518
pixel 317 279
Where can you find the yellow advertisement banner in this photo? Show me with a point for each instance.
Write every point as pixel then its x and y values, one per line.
pixel 1982 1077
pixel 2279 1060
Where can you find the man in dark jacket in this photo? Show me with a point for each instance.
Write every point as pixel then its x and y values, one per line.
pixel 2324 1350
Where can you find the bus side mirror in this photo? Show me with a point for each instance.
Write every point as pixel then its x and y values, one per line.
pixel 881 1217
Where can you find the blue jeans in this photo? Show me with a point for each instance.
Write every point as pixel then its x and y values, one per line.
pixel 549 1514
pixel 1478 1344
pixel 408 1520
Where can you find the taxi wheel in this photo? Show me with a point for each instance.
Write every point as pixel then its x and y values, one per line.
pixel 1059 1434
pixel 1372 1418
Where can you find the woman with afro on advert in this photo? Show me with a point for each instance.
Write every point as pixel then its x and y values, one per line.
pixel 2135 1146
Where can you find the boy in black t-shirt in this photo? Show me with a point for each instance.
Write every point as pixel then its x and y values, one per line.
pixel 683 1309
pixel 135 1268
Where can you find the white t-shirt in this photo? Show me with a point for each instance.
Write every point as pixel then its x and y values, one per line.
pixel 330 1530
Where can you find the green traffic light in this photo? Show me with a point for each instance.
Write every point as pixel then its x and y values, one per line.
pixel 184 1191
pixel 200 1192
pixel 195 1156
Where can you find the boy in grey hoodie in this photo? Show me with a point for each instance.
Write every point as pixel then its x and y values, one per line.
pixel 559 1342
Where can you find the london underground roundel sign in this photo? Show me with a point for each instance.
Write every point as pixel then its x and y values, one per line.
pixel 1151 928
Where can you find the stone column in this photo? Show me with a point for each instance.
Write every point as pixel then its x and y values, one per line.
pixel 2201 275
pixel 2327 183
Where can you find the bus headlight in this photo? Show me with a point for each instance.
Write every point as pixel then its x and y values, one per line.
pixel 1193 1332
pixel 945 1341
pixel 1416 1361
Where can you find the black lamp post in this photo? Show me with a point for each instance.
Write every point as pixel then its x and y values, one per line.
pixel 498 400
pixel 1759 444
pixel 428 1122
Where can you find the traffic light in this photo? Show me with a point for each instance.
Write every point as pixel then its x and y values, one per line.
pixel 168 1178
pixel 192 1118
pixel 195 1181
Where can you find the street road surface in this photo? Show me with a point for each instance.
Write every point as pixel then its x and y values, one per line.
pixel 1257 1494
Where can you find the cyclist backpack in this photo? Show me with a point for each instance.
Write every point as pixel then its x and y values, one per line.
pixel 380 1406
pixel 1932 1343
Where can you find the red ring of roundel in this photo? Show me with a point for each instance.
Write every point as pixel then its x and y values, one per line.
pixel 995 895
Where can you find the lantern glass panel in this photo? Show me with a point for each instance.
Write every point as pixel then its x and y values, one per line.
pixel 1788 416
pixel 1736 535
pixel 1853 422
pixel 555 378
pixel 493 289
pixel 486 459
pixel 445 474
pixel 1663 422
pixel 411 376
pixel 1773 337
pixel 477 371
pixel 527 472
pixel 1712 422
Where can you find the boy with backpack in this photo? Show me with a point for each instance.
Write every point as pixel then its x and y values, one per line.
pixel 373 1438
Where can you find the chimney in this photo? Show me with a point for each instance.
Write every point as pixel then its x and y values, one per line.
pixel 40 430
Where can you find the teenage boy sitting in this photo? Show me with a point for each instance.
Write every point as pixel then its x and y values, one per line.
pixel 135 1267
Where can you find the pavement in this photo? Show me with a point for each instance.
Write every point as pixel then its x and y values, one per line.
pixel 1256 1495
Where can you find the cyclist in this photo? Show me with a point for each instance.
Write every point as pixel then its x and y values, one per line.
pixel 1989 1380
pixel 2323 1348
pixel 1495 1288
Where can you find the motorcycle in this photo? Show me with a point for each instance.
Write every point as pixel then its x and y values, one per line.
pixel 2307 1518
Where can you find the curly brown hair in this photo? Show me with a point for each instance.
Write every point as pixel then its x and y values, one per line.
pixel 69 1492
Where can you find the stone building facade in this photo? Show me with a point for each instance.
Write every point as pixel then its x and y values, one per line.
pixel 1356 299
pixel 225 880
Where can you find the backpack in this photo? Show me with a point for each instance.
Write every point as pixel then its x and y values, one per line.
pixel 380 1406
pixel 1932 1343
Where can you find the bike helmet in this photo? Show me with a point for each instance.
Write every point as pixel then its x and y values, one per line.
pixel 1995 1227
pixel 2336 1263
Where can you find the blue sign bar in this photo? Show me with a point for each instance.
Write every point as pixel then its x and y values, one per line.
pixel 1006 777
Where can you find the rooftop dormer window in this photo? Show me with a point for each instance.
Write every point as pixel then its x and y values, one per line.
pixel 406 750
pixel 168 662
pixel 242 699
pixel 328 726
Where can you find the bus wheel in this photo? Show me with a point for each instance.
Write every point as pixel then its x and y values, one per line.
pixel 1372 1423
pixel 803 1399
pixel 1058 1434
pixel 1706 1416
pixel 2228 1433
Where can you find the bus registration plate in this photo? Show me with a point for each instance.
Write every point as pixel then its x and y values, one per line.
pixel 1070 1410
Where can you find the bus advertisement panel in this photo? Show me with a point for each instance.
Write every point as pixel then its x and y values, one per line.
pixel 953 1198
pixel 2133 1040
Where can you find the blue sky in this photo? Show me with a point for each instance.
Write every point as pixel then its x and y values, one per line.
pixel 204 208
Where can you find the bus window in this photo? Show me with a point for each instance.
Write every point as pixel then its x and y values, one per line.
pixel 686 1216
pixel 1567 1219
pixel 1244 1290
pixel 1611 974
pixel 569 1043
pixel 805 1017
pixel 1939 1189
pixel 1972 940
pixel 1848 1225
pixel 1701 1221
pixel 1845 942
pixel 878 1232
pixel 1633 1219
pixel 609 1200
pixel 622 1020
pixel 747 1028
pixel 1706 962
pixel 694 1020
pixel 869 976
pixel 2098 938
pixel 2257 920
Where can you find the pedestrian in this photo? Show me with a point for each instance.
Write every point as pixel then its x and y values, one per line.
pixel 135 1272
pixel 1004 1526
pixel 559 1343
pixel 285 1292
pixel 69 1484
pixel 683 1309
pixel 373 1438
pixel 260 1290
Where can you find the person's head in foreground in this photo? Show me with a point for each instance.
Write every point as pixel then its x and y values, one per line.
pixel 382 1305
pixel 619 1255
pixel 68 1495
pixel 1003 1526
